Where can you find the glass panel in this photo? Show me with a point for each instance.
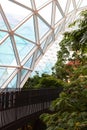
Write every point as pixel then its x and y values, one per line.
pixel 27 30
pixel 13 83
pixel 71 7
pixel 58 15
pixel 2 24
pixel 48 66
pixel 63 4
pixel 2 34
pixel 25 2
pixel 43 13
pixel 77 1
pixel 23 73
pixel 68 21
pixel 29 62
pixel 40 2
pixel 23 47
pixel 38 54
pixel 59 28
pixel 43 28
pixel 48 60
pixel 7 54
pixel 77 15
pixel 14 12
pixel 83 3
pixel 4 74
pixel 49 39
pixel 43 44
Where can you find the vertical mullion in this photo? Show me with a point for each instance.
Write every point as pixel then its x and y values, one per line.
pixel 18 79
pixel 74 4
pixel 67 6
pixel 34 59
pixel 15 50
pixel 5 19
pixel 36 28
pixel 60 9
pixel 53 13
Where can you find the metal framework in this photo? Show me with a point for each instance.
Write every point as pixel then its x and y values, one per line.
pixel 26 34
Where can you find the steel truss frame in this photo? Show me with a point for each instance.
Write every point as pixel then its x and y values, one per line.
pixel 55 27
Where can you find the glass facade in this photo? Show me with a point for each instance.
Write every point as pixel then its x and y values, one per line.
pixel 28 28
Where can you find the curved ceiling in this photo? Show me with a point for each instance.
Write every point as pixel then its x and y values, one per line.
pixel 27 30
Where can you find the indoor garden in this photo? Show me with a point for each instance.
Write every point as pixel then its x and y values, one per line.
pixel 69 110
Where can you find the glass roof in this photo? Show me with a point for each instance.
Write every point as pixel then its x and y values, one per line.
pixel 28 28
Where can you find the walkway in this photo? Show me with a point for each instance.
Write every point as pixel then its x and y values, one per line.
pixel 17 108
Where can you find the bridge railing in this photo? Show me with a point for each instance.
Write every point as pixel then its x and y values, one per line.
pixel 9 100
pixel 17 105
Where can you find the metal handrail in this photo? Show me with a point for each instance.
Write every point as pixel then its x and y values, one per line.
pixel 17 107
pixel 13 99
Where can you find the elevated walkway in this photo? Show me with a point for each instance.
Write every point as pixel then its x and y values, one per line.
pixel 19 107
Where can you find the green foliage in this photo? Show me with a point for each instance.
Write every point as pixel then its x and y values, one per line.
pixel 75 41
pixel 32 82
pixel 49 82
pixel 70 109
pixel 45 81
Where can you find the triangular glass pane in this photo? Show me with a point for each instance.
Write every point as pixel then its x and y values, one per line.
pixel 13 84
pixel 40 2
pixel 2 24
pixel 69 20
pixel 43 13
pixel 25 2
pixel 77 15
pixel 43 44
pixel 7 56
pixel 83 3
pixel 29 62
pixel 47 68
pixel 23 47
pixel 38 54
pixel 39 68
pixel 4 74
pixel 2 34
pixel 43 28
pixel 14 13
pixel 27 30
pixel 71 8
pixel 23 73
pixel 77 2
pixel 49 40
pixel 59 28
pixel 56 30
pixel 58 15
pixel 63 4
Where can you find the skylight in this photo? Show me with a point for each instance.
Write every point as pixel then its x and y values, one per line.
pixel 27 30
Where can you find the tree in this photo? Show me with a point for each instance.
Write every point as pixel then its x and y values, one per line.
pixel 73 47
pixel 70 109
pixel 32 82
pixel 49 81
pixel 43 81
